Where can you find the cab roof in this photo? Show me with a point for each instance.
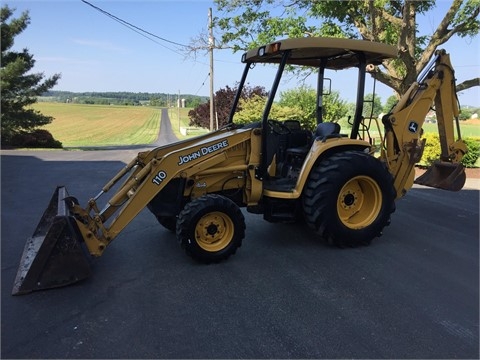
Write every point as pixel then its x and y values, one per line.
pixel 308 51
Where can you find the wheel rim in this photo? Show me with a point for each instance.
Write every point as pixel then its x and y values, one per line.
pixel 359 202
pixel 214 231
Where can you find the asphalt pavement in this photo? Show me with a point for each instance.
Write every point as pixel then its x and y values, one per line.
pixel 414 293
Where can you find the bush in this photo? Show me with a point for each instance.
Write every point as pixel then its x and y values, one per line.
pixel 38 138
pixel 473 153
pixel 432 151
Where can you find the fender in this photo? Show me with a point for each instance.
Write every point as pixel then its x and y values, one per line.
pixel 319 150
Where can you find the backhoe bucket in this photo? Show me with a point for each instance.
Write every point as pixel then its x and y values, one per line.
pixel 444 175
pixel 53 256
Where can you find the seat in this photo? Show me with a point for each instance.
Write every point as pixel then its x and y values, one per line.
pixel 322 132
pixel 327 130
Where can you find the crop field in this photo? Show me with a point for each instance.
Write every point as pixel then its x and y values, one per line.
pixel 77 125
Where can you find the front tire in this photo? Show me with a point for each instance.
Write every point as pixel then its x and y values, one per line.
pixel 168 222
pixel 210 228
pixel 348 198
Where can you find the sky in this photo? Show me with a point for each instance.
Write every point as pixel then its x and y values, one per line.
pixel 93 52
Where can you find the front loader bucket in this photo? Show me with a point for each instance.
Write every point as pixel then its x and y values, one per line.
pixel 53 256
pixel 444 175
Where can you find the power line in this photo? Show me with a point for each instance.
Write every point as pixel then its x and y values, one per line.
pixel 134 27
pixel 142 32
pixel 203 83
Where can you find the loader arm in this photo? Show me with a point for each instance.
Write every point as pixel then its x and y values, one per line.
pixel 403 145
pixel 148 174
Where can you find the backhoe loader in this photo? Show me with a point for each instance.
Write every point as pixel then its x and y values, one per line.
pixel 342 184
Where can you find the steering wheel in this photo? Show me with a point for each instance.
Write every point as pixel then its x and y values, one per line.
pixel 278 127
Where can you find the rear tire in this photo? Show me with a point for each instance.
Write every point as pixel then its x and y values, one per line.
pixel 348 198
pixel 210 228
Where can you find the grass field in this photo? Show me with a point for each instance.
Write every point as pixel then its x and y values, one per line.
pixel 78 125
pixel 101 125
pixel 468 128
pixel 184 122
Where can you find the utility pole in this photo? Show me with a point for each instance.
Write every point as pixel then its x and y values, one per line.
pixel 211 45
pixel 179 103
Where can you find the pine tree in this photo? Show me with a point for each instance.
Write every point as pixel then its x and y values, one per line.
pixel 19 87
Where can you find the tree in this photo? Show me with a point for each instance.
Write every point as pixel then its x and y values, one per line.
pixel 200 116
pixel 305 99
pixel 390 103
pixel 372 106
pixel 252 111
pixel 249 23
pixel 19 87
pixel 298 104
pixel 465 114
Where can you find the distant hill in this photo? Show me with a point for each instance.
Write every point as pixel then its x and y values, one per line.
pixel 122 98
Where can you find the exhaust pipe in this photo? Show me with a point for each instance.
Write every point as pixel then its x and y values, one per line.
pixel 53 256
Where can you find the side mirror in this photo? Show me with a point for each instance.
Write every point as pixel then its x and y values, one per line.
pixel 327 86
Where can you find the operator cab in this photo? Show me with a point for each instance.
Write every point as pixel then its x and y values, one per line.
pixel 285 144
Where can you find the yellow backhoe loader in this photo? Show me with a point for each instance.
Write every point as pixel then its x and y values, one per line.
pixel 342 184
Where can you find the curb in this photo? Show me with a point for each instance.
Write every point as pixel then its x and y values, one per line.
pixel 472 184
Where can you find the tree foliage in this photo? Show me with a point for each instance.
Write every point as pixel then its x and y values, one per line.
pixel 372 107
pixel 249 23
pixel 390 103
pixel 252 111
pixel 304 98
pixel 122 98
pixel 296 104
pixel 19 87
pixel 200 116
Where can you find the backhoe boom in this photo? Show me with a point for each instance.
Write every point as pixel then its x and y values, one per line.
pixel 403 125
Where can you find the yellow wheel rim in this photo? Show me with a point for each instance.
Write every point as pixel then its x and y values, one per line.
pixel 359 202
pixel 214 231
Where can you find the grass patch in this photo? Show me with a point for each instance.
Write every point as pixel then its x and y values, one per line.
pixel 468 129
pixel 184 122
pixel 101 125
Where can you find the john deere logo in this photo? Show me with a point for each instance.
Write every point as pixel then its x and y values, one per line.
pixel 413 127
pixel 202 152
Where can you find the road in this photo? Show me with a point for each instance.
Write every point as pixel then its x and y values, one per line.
pixel 165 135
pixel 413 293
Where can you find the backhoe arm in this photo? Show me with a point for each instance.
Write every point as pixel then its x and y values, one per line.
pixel 403 125
pixel 446 105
